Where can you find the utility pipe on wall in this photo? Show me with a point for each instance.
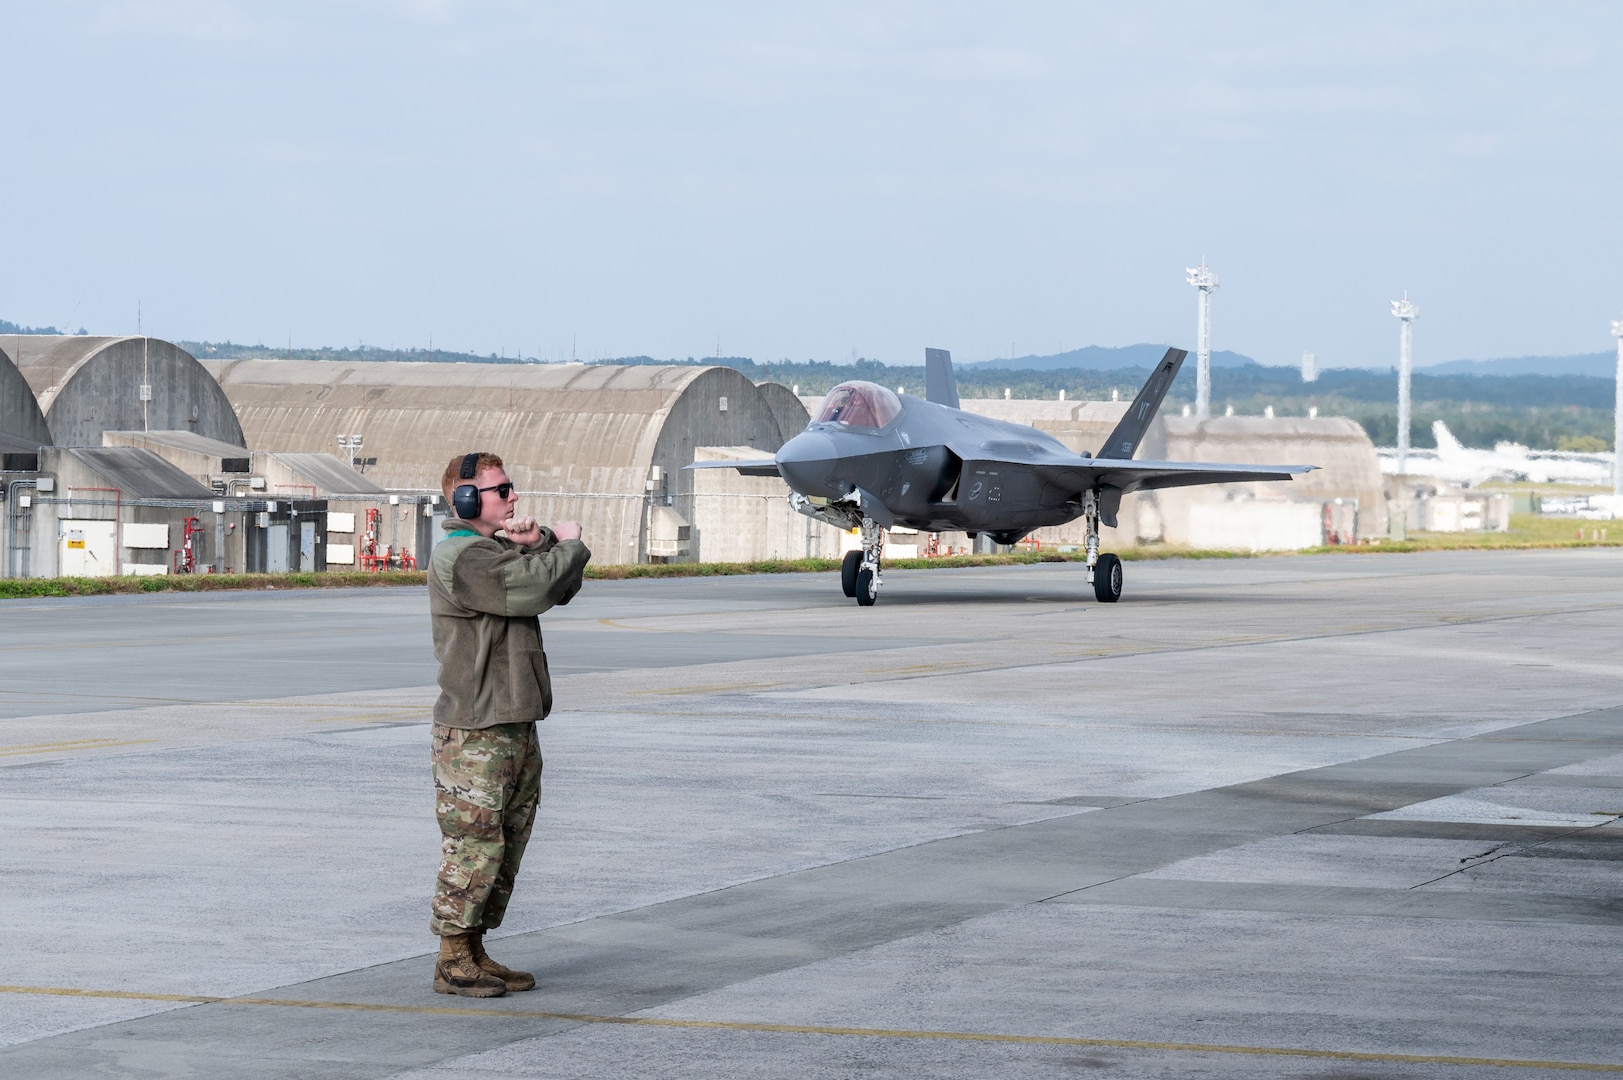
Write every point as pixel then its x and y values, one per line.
pixel 18 525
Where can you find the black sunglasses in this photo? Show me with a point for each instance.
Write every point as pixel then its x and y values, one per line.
pixel 502 490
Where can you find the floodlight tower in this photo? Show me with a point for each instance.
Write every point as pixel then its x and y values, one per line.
pixel 1406 311
pixel 1617 415
pixel 1202 278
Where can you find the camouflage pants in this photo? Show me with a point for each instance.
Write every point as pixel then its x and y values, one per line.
pixel 487 783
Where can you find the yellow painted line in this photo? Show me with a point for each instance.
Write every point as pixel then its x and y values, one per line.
pixel 403 714
pixel 69 747
pixel 717 688
pixel 820 1029
pixel 128 995
pixel 925 669
pixel 141 643
pixel 311 706
pixel 615 624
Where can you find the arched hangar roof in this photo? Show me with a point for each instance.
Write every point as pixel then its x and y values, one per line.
pixel 559 427
pixel 22 424
pixel 787 409
pixel 88 385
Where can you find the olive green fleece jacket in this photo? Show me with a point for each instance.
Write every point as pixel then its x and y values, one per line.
pixel 483 598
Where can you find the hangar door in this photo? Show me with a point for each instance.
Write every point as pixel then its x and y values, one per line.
pixel 87 549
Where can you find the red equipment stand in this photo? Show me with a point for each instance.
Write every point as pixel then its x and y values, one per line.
pixel 186 557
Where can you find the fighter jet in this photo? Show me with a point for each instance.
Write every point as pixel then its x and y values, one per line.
pixel 872 459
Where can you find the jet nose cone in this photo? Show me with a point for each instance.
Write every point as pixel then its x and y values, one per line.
pixel 807 462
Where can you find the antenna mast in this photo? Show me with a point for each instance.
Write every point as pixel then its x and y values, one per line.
pixel 1406 311
pixel 146 373
pixel 1202 278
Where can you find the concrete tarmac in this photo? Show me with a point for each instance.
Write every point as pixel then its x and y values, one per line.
pixel 1283 817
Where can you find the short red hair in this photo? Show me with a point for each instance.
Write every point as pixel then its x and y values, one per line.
pixel 453 472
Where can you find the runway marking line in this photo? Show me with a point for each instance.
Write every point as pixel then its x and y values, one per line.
pixel 76 744
pixel 820 1029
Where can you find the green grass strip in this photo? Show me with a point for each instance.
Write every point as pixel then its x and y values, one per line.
pixel 1541 536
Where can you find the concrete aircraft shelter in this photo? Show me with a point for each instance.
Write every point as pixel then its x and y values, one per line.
pixel 791 412
pixel 1347 484
pixel 604 445
pixel 88 385
pixel 23 429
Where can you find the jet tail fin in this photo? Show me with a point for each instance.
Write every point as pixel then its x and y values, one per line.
pixel 940 384
pixel 1123 442
pixel 1447 445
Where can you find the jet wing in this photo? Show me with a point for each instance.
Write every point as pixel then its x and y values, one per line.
pixel 1114 478
pixel 1126 476
pixel 753 467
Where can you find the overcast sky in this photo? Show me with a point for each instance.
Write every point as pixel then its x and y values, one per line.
pixel 815 179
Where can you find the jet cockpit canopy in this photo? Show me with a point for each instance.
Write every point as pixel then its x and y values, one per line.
pixel 859 405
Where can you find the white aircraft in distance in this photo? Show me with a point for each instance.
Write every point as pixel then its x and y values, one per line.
pixel 1465 466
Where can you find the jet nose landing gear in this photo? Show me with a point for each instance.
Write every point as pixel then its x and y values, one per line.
pixel 859 572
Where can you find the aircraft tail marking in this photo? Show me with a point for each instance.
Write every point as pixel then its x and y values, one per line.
pixel 940 384
pixel 1123 442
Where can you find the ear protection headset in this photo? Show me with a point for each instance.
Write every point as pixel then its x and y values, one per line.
pixel 465 499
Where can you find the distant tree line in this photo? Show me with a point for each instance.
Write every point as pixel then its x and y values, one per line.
pixel 1547 412
pixel 12 328
pixel 230 350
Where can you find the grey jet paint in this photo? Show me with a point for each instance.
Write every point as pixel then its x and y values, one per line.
pixel 872 459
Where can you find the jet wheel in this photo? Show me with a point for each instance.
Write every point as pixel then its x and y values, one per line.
pixel 1107 579
pixel 867 588
pixel 848 572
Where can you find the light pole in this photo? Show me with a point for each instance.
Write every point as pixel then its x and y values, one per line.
pixel 1202 278
pixel 1406 311
pixel 349 448
pixel 1617 414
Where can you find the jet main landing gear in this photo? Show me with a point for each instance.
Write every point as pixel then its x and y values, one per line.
pixel 1104 571
pixel 1107 579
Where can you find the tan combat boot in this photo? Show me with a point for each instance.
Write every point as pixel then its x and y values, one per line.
pixel 513 980
pixel 457 972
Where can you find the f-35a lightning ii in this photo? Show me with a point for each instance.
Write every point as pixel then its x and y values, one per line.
pixel 872 459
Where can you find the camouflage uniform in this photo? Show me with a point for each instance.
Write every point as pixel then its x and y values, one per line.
pixel 487 782
pixel 484 594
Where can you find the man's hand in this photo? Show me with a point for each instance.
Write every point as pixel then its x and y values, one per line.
pixel 567 530
pixel 525 530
